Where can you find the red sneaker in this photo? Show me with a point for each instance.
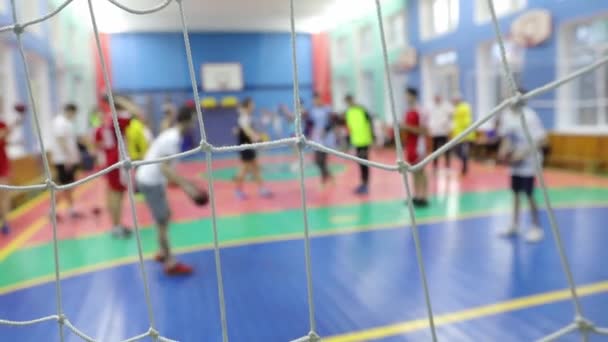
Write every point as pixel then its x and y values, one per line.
pixel 160 258
pixel 179 269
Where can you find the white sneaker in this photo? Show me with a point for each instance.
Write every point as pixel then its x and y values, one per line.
pixel 534 234
pixel 512 230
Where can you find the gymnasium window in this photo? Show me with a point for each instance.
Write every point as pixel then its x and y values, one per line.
pixel 441 76
pixel 27 11
pixel 438 17
pixel 366 40
pixel 587 96
pixel 340 50
pixel 396 30
pixel 502 8
pixel 494 87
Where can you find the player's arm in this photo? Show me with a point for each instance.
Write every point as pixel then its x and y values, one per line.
pixel 284 111
pixel 249 131
pixel 503 149
pixel 4 131
pixel 415 129
pixel 173 177
pixel 129 106
pixel 414 125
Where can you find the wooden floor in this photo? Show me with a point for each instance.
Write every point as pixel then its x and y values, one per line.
pixel 366 279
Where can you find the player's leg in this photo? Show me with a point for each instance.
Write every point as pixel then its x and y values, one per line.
pixel 424 188
pixel 256 172
pixel 447 155
pixel 420 189
pixel 464 157
pixel 363 153
pixel 535 233
pixel 321 162
pixel 69 193
pixel 436 145
pixel 118 187
pixel 239 179
pixel 115 199
pixel 516 188
pixel 156 199
pixel 60 196
pixel 4 207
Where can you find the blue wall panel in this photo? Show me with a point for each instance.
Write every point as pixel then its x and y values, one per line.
pixel 155 65
pixel 157 61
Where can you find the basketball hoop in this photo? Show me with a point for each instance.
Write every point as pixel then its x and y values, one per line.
pixel 531 28
pixel 407 60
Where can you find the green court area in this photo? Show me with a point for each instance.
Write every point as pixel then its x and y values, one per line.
pixel 274 172
pixel 36 262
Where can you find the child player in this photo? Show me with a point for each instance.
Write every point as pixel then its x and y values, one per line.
pixel 5 132
pixel 516 151
pixel 249 164
pixel 414 146
pixel 152 180
pixel 107 142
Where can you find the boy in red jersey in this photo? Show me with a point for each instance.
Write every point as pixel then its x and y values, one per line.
pixel 414 146
pixel 106 141
pixel 5 131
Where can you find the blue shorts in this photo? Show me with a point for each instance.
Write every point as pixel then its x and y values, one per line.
pixel 522 184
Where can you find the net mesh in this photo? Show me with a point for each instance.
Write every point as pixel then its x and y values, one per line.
pixel 300 143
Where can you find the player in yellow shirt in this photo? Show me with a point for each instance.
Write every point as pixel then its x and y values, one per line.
pixel 137 141
pixel 361 134
pixel 462 119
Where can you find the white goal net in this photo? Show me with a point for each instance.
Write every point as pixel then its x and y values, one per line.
pixel 299 142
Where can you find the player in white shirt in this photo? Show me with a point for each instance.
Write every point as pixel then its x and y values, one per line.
pixel 440 126
pixel 65 154
pixel 152 180
pixel 516 151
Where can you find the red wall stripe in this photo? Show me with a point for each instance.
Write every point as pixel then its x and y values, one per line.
pixel 101 86
pixel 321 67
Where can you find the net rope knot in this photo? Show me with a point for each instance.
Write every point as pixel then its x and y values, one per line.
pixel 18 29
pixel 50 184
pixel 127 164
pixel 301 141
pixel 582 323
pixel 517 101
pixel 153 333
pixel 402 166
pixel 205 146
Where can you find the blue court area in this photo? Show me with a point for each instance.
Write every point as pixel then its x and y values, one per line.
pixel 365 281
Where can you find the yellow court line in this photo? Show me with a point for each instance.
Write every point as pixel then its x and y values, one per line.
pixel 251 241
pixel 23 237
pixel 469 314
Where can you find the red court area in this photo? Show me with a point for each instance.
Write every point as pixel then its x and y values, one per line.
pixel 34 226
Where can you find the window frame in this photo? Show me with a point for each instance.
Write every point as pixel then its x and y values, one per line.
pixel 430 71
pixel 397 22
pixel 483 15
pixel 340 47
pixel 489 73
pixel 567 95
pixel 365 32
pixel 32 11
pixel 427 24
